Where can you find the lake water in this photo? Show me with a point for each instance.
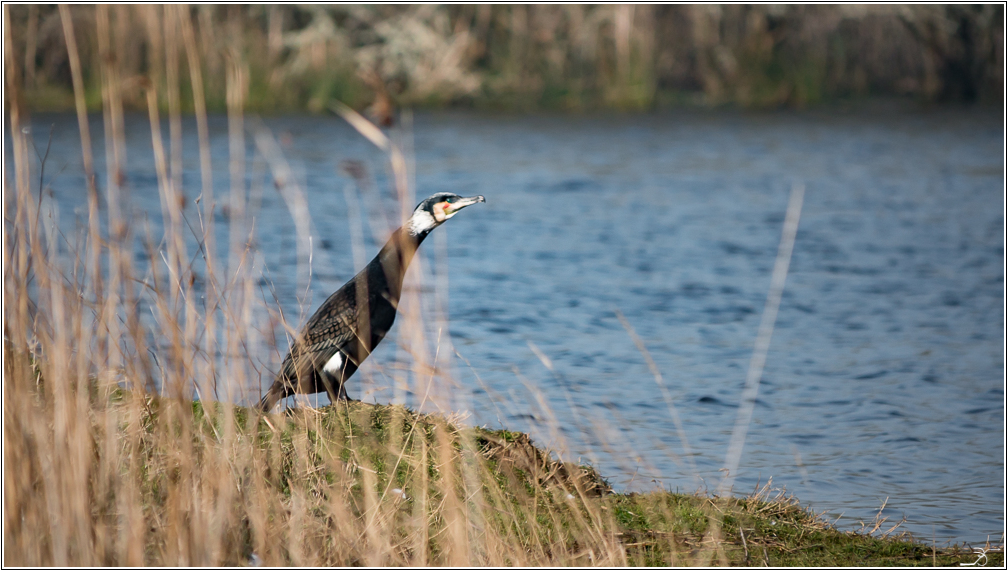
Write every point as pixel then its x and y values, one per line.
pixel 885 377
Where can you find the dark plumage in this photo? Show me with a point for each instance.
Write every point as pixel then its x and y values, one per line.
pixel 348 326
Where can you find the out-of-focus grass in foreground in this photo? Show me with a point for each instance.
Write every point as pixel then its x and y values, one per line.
pixel 171 482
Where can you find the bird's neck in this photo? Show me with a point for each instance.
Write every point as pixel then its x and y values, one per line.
pixel 419 225
pixel 396 256
pixel 403 245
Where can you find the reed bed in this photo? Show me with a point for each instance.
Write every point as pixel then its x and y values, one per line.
pixel 122 441
pixel 127 354
pixel 569 57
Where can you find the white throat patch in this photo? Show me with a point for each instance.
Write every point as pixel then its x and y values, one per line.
pixel 420 222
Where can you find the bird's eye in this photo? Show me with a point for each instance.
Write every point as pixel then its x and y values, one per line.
pixel 450 199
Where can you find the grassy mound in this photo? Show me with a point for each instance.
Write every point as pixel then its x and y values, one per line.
pixel 166 482
pixel 556 500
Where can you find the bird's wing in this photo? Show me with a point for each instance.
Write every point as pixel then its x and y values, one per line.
pixel 329 330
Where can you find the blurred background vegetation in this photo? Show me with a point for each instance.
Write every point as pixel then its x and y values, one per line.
pixel 526 57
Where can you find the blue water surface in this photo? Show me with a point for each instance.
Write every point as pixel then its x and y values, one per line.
pixel 885 376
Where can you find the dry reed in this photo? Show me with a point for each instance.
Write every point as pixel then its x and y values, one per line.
pixel 110 461
pixel 528 56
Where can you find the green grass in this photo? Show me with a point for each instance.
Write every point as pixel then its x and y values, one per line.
pixel 168 482
pixel 378 448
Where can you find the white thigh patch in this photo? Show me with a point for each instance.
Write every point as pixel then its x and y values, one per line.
pixel 335 365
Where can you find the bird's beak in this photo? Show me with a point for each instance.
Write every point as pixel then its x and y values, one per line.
pixel 460 204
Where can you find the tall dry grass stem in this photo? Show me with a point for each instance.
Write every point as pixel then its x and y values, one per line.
pixel 763 336
pixel 128 345
pixel 673 411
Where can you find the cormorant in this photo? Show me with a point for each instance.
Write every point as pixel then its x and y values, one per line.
pixel 348 326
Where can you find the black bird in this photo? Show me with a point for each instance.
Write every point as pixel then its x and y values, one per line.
pixel 348 326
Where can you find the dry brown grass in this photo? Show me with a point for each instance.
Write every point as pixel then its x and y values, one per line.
pixel 108 461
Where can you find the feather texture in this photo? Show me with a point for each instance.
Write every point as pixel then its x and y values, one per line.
pixel 354 319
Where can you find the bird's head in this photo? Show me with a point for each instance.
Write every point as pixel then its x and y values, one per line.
pixel 433 211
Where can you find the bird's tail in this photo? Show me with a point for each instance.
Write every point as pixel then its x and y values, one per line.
pixel 272 396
